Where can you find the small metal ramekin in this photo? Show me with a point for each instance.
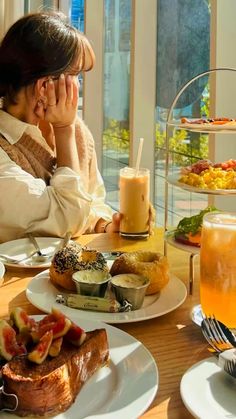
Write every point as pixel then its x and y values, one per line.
pixel 93 283
pixel 130 287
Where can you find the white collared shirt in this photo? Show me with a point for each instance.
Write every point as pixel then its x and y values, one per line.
pixel 27 204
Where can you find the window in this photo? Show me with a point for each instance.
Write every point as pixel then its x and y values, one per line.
pixel 116 82
pixel 183 51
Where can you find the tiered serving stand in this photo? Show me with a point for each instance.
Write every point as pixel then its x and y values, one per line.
pixel 175 124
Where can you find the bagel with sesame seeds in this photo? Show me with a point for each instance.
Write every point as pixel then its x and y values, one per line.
pixel 74 258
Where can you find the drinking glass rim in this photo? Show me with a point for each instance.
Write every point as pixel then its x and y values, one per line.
pixel 212 217
pixel 133 169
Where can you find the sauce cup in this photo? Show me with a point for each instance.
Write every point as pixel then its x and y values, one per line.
pixel 93 283
pixel 130 287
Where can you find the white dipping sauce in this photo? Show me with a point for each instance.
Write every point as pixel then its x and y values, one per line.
pixel 91 277
pixel 129 280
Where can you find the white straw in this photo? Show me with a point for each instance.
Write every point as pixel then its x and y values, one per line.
pixel 140 149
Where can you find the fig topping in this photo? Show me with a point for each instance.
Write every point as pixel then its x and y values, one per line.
pixel 21 319
pixel 75 335
pixel 8 344
pixel 40 352
pixel 55 347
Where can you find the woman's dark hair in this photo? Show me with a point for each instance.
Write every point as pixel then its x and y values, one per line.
pixel 38 45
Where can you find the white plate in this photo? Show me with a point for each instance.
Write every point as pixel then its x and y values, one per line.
pixel 169 237
pixel 174 180
pixel 208 392
pixel 197 315
pixel 21 248
pixel 208 127
pixel 2 270
pixel 204 127
pixel 42 294
pixel 123 389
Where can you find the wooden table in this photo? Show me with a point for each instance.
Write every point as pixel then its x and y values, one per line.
pixel 173 340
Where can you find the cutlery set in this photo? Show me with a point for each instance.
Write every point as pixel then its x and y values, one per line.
pixel 13 260
pixel 37 256
pixel 41 256
pixel 223 342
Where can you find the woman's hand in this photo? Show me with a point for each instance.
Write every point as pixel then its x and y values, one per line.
pixel 62 101
pixel 60 110
pixel 114 225
pixel 152 218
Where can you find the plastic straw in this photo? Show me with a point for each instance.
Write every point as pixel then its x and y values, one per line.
pixel 140 149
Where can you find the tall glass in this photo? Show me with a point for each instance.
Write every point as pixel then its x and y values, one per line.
pixel 218 267
pixel 134 202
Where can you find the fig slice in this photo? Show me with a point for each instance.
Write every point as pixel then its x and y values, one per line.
pixel 75 335
pixel 61 327
pixel 8 344
pixel 55 347
pixel 40 329
pixel 49 318
pixel 40 352
pixel 21 319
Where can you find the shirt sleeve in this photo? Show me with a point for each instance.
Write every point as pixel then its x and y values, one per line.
pixel 97 191
pixel 28 204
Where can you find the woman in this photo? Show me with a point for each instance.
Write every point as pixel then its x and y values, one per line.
pixel 49 180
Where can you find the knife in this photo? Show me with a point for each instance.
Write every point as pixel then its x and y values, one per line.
pixel 66 239
pixel 35 244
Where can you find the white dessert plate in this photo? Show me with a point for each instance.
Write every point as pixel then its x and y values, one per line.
pixel 203 127
pixel 170 238
pixel 230 126
pixel 2 270
pixel 123 389
pixel 174 180
pixel 21 248
pixel 208 392
pixel 197 315
pixel 42 294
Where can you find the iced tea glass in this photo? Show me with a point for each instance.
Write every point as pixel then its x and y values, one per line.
pixel 218 267
pixel 134 202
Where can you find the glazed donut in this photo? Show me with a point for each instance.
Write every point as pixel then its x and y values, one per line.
pixel 73 258
pixel 153 265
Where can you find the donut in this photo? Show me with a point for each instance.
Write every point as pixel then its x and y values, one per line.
pixel 73 258
pixel 153 265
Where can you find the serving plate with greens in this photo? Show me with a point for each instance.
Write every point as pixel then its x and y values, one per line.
pixel 188 231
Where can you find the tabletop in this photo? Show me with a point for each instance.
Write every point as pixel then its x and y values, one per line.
pixel 175 342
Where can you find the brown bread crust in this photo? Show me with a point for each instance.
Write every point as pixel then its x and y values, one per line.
pixel 50 388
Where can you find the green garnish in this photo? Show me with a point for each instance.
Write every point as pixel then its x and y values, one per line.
pixel 193 224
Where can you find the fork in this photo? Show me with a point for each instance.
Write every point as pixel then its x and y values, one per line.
pixel 216 335
pixel 41 256
pixel 10 259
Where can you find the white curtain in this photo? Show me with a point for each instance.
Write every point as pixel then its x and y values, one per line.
pixel 10 11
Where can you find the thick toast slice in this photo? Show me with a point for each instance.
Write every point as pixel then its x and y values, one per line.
pixel 50 388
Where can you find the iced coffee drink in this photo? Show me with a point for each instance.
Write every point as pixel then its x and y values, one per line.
pixel 134 202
